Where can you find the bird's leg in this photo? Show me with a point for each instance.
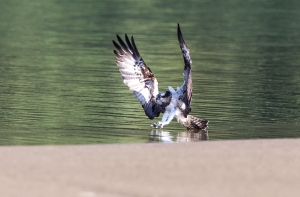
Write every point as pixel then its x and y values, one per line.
pixel 166 119
pixel 169 119
pixel 163 119
pixel 165 116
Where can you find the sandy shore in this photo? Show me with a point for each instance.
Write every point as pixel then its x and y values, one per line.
pixel 211 168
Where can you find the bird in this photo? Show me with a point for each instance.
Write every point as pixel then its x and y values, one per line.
pixel 141 81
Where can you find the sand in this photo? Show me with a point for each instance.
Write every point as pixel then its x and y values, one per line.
pixel 208 168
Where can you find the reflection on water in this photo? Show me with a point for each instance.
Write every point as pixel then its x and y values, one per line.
pixel 193 135
pixel 158 135
pixel 59 83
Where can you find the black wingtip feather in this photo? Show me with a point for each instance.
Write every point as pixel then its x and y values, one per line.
pixel 123 44
pixel 128 42
pixel 118 56
pixel 179 34
pixel 118 47
pixel 134 46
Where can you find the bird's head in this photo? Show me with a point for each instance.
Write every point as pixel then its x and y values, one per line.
pixel 164 97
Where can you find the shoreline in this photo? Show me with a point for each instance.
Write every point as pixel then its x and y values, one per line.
pixel 263 167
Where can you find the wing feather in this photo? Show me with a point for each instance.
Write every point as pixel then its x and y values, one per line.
pixel 137 75
pixel 134 47
pixel 187 85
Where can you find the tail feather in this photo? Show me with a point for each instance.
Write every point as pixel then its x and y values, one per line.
pixel 195 123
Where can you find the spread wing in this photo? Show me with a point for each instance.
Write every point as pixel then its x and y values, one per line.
pixel 137 76
pixel 187 84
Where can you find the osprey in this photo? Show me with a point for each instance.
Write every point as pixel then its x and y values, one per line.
pixel 140 79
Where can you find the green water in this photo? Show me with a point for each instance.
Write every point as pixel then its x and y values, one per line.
pixel 59 83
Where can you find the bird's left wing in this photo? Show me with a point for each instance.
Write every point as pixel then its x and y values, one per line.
pixel 137 76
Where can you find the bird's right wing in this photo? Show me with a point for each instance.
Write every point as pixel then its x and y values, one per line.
pixel 137 76
pixel 187 85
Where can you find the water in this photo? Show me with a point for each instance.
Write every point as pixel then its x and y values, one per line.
pixel 59 83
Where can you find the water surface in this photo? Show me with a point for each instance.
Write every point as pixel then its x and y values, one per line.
pixel 59 83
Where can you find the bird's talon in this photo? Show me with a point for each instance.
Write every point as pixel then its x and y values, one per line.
pixel 155 125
